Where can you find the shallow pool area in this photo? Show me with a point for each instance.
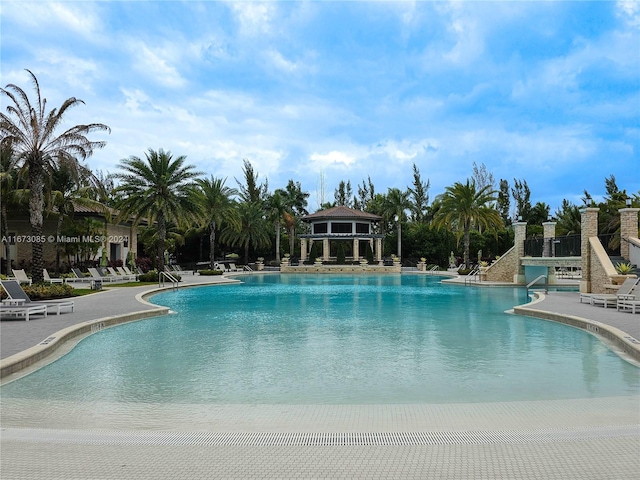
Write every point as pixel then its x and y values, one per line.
pixel 330 340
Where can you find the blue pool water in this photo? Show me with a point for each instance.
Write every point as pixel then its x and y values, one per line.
pixel 327 339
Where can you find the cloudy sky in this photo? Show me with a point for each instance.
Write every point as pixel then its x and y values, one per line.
pixel 323 91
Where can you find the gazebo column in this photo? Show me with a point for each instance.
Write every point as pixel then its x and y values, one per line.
pixel 356 249
pixel 303 250
pixel 325 249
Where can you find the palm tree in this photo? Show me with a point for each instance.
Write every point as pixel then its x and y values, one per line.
pixel 276 210
pixel 218 207
pixel 33 133
pixel 158 189
pixel 296 206
pixel 252 231
pixel 71 184
pixel 10 194
pixel 396 204
pixel 461 206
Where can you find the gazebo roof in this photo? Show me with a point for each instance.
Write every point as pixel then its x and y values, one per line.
pixel 341 213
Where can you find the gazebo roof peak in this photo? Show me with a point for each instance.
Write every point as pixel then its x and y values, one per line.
pixel 341 212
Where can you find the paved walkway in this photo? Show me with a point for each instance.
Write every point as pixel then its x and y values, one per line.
pixel 568 439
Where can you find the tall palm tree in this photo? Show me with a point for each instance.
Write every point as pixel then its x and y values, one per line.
pixel 69 185
pixel 252 231
pixel 296 206
pixel 395 207
pixel 461 206
pixel 276 209
pixel 218 207
pixel 10 194
pixel 33 133
pixel 159 189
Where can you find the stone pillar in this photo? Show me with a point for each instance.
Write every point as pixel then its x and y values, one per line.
pixel 520 230
pixel 549 248
pixel 628 228
pixel 588 229
pixel 378 250
pixel 356 249
pixel 303 250
pixel 325 249
pixel 549 233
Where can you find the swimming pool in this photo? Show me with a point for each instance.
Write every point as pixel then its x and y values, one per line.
pixel 332 340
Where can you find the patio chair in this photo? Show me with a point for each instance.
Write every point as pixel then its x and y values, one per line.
pixel 95 275
pixel 21 276
pixel 16 293
pixel 129 276
pixel 48 278
pixel 630 301
pixel 233 268
pixel 9 310
pixel 79 277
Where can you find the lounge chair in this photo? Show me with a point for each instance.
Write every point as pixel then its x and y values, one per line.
pixel 220 266
pixel 15 292
pixel 9 310
pixel 119 275
pixel 233 268
pixel 127 271
pixel 610 299
pixel 630 301
pixel 95 275
pixel 21 276
pixel 79 277
pixel 129 276
pixel 48 279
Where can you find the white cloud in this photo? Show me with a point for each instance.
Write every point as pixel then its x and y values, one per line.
pixel 629 10
pixel 334 157
pixel 155 64
pixel 255 19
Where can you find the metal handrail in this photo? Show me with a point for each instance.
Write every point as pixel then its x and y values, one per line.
pixel 546 283
pixel 171 278
pixel 473 273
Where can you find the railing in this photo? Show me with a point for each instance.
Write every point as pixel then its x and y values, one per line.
pixel 533 282
pixel 472 276
pixel 611 244
pixel 565 246
pixel 162 276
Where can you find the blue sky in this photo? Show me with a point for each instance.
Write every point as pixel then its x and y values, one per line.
pixel 548 92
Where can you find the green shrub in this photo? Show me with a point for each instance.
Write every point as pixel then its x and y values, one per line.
pixel 48 291
pixel 153 276
pixel 210 272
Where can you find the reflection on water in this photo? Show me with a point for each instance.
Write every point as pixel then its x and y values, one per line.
pixel 332 339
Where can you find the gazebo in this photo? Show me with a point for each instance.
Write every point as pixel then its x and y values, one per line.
pixel 341 224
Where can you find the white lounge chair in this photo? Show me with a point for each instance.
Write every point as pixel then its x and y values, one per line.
pixel 16 293
pixel 10 310
pixel 129 276
pixel 95 275
pixel 21 276
pixel 630 301
pixel 48 279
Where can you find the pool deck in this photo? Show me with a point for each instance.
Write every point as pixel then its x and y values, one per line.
pixel 566 439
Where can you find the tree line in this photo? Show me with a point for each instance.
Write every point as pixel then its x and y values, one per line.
pixel 180 210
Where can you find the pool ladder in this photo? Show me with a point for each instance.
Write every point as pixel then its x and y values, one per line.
pixel 162 276
pixel 533 282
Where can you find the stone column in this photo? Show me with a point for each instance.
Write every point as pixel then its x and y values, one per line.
pixel 549 233
pixel 628 228
pixel 303 250
pixel 548 249
pixel 325 249
pixel 379 250
pixel 356 249
pixel 520 230
pixel 588 229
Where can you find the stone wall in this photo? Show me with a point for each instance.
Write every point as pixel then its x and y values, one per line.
pixel 504 269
